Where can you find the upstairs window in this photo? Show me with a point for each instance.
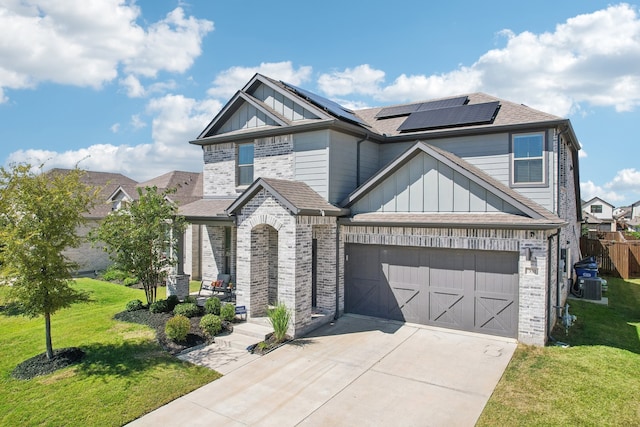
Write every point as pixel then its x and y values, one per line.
pixel 596 208
pixel 245 164
pixel 528 158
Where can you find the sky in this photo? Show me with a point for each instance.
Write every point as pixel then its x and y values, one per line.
pixel 123 86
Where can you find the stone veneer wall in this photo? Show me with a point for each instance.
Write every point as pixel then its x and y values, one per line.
pixel 325 267
pixel 219 170
pixel 212 252
pixel 273 157
pixel 263 209
pixel 533 288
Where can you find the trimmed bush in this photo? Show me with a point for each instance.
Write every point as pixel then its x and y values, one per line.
pixel 188 309
pixel 212 306
pixel 279 318
pixel 160 306
pixel 134 305
pixel 113 274
pixel 228 312
pixel 211 324
pixel 190 299
pixel 172 301
pixel 129 281
pixel 177 328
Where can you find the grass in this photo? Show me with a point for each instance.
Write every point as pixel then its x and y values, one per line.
pixel 124 375
pixel 596 381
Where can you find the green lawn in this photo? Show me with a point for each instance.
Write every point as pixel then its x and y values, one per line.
pixel 596 381
pixel 124 374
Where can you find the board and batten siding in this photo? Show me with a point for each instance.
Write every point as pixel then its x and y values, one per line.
pixel 281 104
pixel 311 160
pixel 246 117
pixel 425 184
pixel 489 153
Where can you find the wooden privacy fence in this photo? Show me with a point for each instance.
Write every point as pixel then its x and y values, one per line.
pixel 620 259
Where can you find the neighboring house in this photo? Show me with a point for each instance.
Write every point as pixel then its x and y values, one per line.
pixel 635 210
pixel 91 258
pixel 461 212
pixel 603 211
pixel 188 189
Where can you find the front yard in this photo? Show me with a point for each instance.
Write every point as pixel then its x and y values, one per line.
pixel 596 381
pixel 124 374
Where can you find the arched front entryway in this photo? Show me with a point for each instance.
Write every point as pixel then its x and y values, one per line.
pixel 264 269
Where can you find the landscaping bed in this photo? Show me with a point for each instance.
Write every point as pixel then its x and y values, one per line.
pixel 157 321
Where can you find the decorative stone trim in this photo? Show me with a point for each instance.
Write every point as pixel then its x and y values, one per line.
pixel 265 219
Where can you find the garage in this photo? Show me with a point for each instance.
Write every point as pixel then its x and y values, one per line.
pixel 460 289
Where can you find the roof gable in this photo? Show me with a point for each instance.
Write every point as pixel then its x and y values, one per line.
pixel 427 179
pixel 297 197
pixel 596 200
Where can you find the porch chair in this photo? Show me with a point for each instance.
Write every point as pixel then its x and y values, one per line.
pixel 220 285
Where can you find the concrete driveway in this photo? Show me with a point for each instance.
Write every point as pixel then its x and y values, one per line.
pixel 358 371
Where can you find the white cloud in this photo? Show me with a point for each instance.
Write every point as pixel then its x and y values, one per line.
pixel 624 187
pixel 359 80
pixel 590 60
pixel 133 86
pixel 177 120
pixel 137 122
pixel 589 190
pixel 115 127
pixel 90 41
pixel 171 44
pixel 233 79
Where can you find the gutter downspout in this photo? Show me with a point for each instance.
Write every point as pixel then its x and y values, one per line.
pixel 557 233
pixel 337 313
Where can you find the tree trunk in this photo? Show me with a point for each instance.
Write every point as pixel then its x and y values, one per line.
pixel 47 332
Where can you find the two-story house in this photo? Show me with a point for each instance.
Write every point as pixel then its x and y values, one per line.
pixel 461 212
pixel 602 211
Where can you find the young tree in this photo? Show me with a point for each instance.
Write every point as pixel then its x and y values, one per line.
pixel 142 237
pixel 39 217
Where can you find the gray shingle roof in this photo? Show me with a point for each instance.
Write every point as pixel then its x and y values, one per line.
pixel 296 196
pixel 205 209
pixel 108 182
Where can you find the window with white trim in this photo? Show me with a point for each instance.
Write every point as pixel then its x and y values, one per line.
pixel 596 208
pixel 245 164
pixel 528 158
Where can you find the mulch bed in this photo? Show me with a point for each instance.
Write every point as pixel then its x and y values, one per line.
pixel 62 358
pixel 40 365
pixel 157 321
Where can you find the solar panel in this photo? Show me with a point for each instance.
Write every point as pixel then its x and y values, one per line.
pixel 464 115
pixel 326 104
pixel 403 110
pixel 400 110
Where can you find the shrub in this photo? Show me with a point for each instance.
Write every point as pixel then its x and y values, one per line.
pixel 172 301
pixel 177 328
pixel 160 306
pixel 190 299
pixel 113 274
pixel 130 281
pixel 188 309
pixel 211 324
pixel 228 312
pixel 212 306
pixel 134 305
pixel 279 318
